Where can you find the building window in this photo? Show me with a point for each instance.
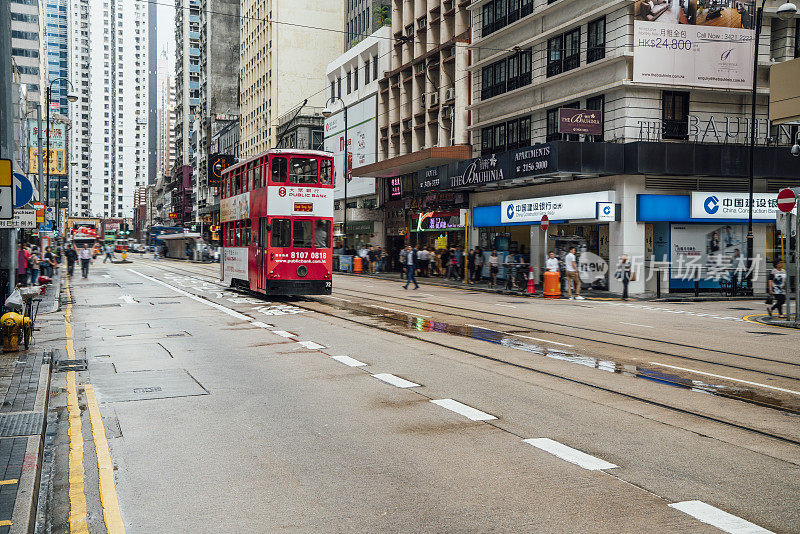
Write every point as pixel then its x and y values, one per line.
pixel 349 82
pixel 596 36
pixel 366 71
pixel 338 87
pixel 500 13
pixel 506 75
pixel 675 115
pixel 333 90
pixel 572 49
pixel 797 39
pixel 509 135
pixel 597 103
pixel 355 79
pixel 375 67
pixel 555 54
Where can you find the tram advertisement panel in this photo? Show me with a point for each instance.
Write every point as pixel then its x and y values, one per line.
pixel 299 201
pixel 235 208
pixel 234 264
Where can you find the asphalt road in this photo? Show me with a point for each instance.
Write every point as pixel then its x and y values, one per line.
pixel 228 413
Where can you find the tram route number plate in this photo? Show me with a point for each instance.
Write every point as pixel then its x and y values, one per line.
pixel 304 207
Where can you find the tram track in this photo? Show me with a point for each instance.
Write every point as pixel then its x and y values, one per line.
pixel 577 381
pixel 492 320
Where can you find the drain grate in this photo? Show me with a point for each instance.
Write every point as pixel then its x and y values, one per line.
pixel 101 306
pixel 99 284
pixel 61 366
pixel 179 334
pixel 21 424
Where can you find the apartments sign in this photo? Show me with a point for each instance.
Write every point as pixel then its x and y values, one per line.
pixel 679 43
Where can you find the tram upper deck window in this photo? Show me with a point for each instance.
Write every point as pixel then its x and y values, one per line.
pixel 303 171
pixel 281 233
pixel 302 234
pixel 279 170
pixel 325 172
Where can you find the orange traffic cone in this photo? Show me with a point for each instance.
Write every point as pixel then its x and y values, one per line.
pixel 531 283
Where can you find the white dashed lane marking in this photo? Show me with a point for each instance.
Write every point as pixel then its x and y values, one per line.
pixel 312 345
pixel 717 518
pixel 668 310
pixel 347 360
pixel 283 333
pixel 261 325
pixel 395 380
pixel 634 324
pixel 467 411
pixel 569 454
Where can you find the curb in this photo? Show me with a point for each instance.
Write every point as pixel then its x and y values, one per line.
pixel 23 518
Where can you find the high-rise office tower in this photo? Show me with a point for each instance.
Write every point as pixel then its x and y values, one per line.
pixel 281 61
pixel 80 112
pixel 165 119
pixel 119 97
pixel 363 17
pixel 27 47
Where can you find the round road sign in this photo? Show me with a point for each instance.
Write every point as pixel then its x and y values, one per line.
pixel 545 222
pixel 23 190
pixel 786 200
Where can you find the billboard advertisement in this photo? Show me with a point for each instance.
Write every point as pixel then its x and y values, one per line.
pixel 58 136
pixel 707 43
pixel 362 147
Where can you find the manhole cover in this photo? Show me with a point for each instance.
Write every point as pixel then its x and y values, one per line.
pixel 21 424
pixel 69 365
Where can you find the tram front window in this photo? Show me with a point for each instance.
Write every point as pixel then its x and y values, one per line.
pixel 302 234
pixel 303 171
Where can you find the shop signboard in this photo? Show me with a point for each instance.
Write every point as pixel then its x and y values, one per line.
pixel 395 188
pixel 683 42
pixel 580 121
pixel 23 218
pixel 361 144
pixel 480 171
pixel 721 205
pixel 433 179
pixel 562 207
pixel 439 221
pixel 533 161
pixel 360 227
pixel 216 164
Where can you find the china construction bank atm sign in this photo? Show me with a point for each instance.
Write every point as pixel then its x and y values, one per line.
pixel 733 205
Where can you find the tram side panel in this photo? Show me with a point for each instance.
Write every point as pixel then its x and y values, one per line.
pixel 235 260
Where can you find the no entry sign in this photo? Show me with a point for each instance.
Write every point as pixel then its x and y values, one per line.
pixel 786 200
pixel 545 222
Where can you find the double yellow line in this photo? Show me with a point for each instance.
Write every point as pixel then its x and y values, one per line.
pixel 77 494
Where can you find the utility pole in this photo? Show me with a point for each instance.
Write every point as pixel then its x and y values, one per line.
pixel 8 241
pixel 39 151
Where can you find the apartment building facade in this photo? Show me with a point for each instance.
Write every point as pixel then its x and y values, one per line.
pixel 586 104
pixel 119 81
pixel 28 47
pixel 80 112
pixel 281 61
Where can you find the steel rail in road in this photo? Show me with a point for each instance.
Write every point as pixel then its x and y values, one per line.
pixel 644 400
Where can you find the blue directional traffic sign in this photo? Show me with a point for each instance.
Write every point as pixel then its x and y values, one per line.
pixel 23 190
pixel 46 226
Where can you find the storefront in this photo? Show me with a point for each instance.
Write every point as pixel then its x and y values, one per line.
pixel 438 229
pixel 702 237
pixel 359 233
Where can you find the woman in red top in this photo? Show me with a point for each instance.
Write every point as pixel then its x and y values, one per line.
pixel 22 263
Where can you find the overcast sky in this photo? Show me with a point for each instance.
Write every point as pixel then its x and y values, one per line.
pixel 166 33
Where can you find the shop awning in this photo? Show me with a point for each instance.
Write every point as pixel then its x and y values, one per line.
pixel 408 163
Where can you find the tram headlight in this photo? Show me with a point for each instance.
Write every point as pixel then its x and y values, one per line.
pixel 302 271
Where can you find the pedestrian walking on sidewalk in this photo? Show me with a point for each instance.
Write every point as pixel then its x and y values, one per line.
pixel 478 264
pixel 422 257
pixel 22 263
pixel 624 274
pixel 777 289
pixel 494 268
pixel 48 263
pixel 109 250
pixel 571 266
pixel 33 267
pixel 371 259
pixel 85 256
pixel 470 266
pixel 411 267
pixel 72 256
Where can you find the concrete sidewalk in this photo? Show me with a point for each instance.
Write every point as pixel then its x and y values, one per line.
pixel 24 386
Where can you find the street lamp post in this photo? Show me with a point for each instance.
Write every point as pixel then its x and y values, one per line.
pixel 785 12
pixel 326 112
pixel 72 98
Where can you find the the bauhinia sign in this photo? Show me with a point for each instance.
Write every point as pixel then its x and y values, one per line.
pixel 479 171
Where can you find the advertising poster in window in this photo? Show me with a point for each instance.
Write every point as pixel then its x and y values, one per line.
pixel 707 43
pixel 707 251
pixel 362 146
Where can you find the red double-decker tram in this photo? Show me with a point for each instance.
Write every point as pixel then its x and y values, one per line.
pixel 276 212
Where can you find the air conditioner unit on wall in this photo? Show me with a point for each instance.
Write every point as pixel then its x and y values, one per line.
pixel 449 94
pixel 447 111
pixel 433 99
pixel 423 98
